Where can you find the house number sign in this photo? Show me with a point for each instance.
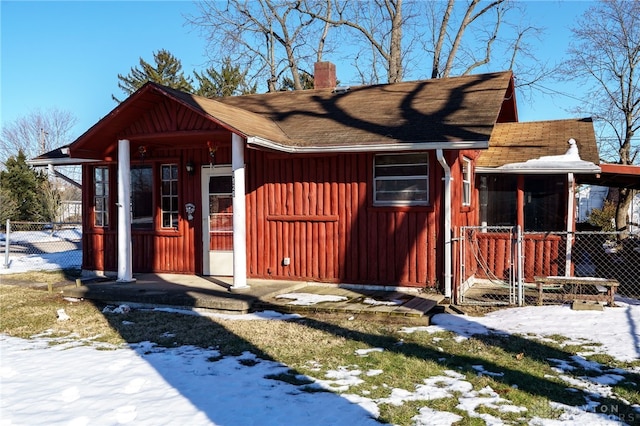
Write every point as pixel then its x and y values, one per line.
pixel 190 208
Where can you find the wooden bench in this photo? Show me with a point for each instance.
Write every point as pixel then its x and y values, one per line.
pixel 605 288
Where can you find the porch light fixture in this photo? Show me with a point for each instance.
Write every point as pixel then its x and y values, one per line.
pixel 190 168
pixel 213 147
pixel 142 150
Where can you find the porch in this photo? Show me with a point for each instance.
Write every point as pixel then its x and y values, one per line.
pixel 214 294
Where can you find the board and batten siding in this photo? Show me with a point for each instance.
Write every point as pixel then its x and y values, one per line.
pixel 158 250
pixel 317 211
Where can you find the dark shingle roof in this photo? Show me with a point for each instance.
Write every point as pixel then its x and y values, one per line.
pixel 442 110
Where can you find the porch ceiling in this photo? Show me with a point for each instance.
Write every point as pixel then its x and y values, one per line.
pixel 614 176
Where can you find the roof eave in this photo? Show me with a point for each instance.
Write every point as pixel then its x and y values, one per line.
pixel 60 162
pixel 259 142
pixel 538 170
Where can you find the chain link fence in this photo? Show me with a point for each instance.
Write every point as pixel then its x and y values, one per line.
pixel 605 255
pixel 40 246
pixel 499 265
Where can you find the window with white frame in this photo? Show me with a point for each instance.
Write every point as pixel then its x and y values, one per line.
pixel 101 196
pixel 142 197
pixel 169 195
pixel 401 179
pixel 466 181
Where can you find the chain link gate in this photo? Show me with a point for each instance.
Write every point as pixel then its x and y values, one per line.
pixel 490 266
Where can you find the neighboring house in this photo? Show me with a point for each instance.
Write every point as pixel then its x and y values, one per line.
pixel 363 185
pixel 590 197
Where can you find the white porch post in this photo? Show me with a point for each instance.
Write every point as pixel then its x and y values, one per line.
pixel 239 214
pixel 125 274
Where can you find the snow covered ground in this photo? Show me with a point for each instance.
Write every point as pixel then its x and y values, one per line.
pixel 75 383
pixel 18 262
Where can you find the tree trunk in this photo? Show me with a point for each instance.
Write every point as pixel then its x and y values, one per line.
pixel 435 66
pixel 395 47
pixel 625 198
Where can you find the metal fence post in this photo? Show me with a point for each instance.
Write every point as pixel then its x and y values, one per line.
pixel 520 265
pixel 6 244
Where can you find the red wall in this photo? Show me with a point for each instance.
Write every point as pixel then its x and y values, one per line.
pixel 318 211
pixel 177 251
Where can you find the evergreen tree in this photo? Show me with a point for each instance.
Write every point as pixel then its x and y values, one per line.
pixel 306 80
pixel 26 193
pixel 229 81
pixel 167 71
pixel 8 206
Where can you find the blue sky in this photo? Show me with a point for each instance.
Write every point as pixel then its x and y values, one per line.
pixel 67 55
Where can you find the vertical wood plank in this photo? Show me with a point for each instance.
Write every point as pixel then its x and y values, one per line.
pixel 373 246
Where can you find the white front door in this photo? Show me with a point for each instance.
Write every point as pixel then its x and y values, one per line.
pixel 217 220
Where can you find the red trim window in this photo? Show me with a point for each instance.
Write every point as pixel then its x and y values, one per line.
pixel 101 197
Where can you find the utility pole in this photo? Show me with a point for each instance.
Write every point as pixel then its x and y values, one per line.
pixel 43 141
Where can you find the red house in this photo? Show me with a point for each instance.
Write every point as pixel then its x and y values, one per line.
pixel 359 185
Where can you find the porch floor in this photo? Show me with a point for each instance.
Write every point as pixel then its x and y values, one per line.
pixel 215 294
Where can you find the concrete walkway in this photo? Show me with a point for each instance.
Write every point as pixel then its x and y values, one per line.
pixel 216 294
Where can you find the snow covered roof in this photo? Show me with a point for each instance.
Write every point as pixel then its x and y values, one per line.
pixel 541 147
pixel 569 162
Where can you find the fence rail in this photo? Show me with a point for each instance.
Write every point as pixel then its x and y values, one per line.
pixel 499 266
pixel 41 245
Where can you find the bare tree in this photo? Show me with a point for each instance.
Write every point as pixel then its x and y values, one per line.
pixel 605 53
pixel 447 28
pixel 37 132
pixel 382 38
pixel 459 37
pixel 267 37
pixel 379 22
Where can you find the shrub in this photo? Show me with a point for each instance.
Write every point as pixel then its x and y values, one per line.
pixel 604 217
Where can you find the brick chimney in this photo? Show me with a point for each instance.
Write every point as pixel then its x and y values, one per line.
pixel 324 75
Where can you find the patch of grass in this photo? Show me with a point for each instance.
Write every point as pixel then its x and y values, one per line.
pixel 37 279
pixel 248 362
pixel 290 377
pixel 400 414
pixel 26 312
pixel 522 372
pixel 557 337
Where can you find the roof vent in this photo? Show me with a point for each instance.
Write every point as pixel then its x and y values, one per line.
pixel 339 90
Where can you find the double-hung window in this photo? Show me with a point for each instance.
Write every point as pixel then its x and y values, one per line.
pixel 169 195
pixel 401 179
pixel 101 196
pixel 466 181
